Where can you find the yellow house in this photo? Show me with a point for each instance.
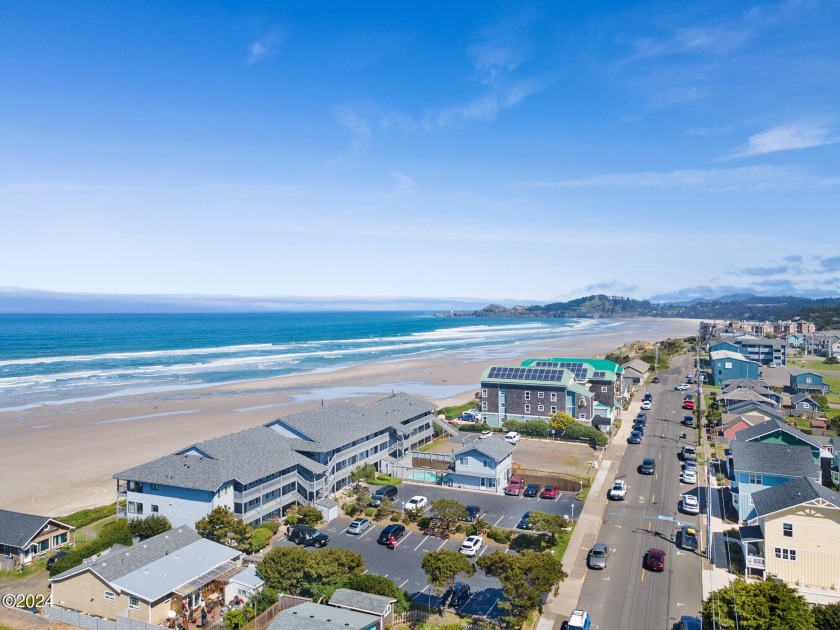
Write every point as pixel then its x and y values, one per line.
pixel 795 535
pixel 176 571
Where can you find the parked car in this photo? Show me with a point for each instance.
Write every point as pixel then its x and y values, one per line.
pixel 688 421
pixel 550 492
pixel 471 545
pixel 308 537
pixel 648 466
pixel 359 526
pixel 618 490
pixel 688 538
pixel 690 504
pixel 688 397
pixel 532 490
pixel 460 593
pixel 635 438
pixel 688 404
pixel 396 530
pixel 646 404
pixel 689 475
pixel 690 464
pixel 641 417
pixel 647 396
pixel 417 503
pixel 55 558
pixel 688 452
pixel 690 375
pixel 579 620
pixel 598 556
pixel 772 364
pixel 485 434
pixel 690 623
pixel 655 379
pixel 639 428
pixel 523 522
pixel 682 387
pixel 467 416
pixel 655 560
pixel 514 487
pixel 512 437
pixel 472 514
pixel 389 492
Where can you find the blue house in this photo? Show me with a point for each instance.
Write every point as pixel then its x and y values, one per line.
pixel 802 382
pixel 483 465
pixel 720 344
pixel 728 365
pixel 754 466
pixel 835 462
pixel 777 432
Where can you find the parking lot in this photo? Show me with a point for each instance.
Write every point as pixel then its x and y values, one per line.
pixel 403 564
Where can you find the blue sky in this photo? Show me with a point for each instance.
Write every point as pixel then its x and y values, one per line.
pixel 529 151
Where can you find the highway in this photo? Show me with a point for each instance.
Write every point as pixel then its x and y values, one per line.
pixel 625 596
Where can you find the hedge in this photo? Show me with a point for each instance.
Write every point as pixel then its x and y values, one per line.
pixel 118 532
pixel 260 540
pixel 501 536
pixel 386 480
pixel 475 428
pixel 531 428
pixel 578 431
pixel 83 518
pixel 271 526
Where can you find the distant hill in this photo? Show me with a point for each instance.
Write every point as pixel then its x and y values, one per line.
pixel 734 307
pixel 824 317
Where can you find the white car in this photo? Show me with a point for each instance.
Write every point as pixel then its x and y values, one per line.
pixel 690 504
pixel 579 620
pixel 471 545
pixel 485 434
pixel 417 503
pixel 512 437
pixel 772 364
pixel 619 490
pixel 689 475
pixel 646 405
pixel 683 387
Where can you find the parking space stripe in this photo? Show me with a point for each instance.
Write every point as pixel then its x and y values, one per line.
pixel 441 545
pixel 421 544
pixel 419 593
pixel 404 583
pixel 499 521
pixel 491 609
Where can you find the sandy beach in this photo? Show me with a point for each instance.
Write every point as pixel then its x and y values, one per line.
pixel 58 459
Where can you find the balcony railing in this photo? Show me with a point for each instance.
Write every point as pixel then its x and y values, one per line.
pixel 756 562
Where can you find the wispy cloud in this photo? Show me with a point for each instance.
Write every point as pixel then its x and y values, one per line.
pixel 699 39
pixel 763 271
pixel 831 264
pixel 355 122
pixel 750 179
pixel 797 135
pixel 265 46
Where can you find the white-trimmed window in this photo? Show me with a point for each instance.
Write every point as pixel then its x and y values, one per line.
pixel 553 409
pixel 154 509
pixel 484 405
pixel 785 554
pixel 155 486
pixel 807 379
pixel 540 407
pixel 582 415
pixel 109 595
pixel 787 529
pixel 755 479
pixel 553 396
pixel 540 394
pixel 727 365
pixel 462 461
pixel 527 395
pixel 488 463
pixel 133 602
pixel 527 408
pixel 806 405
pixel 604 388
pixel 484 393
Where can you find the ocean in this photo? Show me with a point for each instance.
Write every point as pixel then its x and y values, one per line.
pixel 55 359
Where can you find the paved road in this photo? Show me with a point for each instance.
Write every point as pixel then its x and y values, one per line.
pixel 625 596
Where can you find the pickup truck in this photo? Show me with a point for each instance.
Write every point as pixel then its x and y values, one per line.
pixel 514 487
pixel 618 491
pixel 689 453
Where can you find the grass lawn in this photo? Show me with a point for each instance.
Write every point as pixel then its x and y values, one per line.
pixel 816 366
pixel 563 541
pixel 428 447
pixel 454 412
pixel 833 383
pixel 29 569
pixel 581 496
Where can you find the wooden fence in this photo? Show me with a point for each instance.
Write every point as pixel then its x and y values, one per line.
pixel 264 619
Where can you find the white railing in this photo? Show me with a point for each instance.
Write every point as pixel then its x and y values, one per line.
pixel 756 562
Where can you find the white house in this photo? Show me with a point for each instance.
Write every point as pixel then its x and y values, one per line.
pixel 244 584
pixel 483 465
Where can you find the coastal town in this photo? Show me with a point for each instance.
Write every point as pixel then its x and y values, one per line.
pixel 668 473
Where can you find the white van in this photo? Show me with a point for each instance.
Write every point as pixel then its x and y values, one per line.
pixel 512 437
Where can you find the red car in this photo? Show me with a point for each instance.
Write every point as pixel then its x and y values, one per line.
pixel 688 404
pixel 550 492
pixel 655 560
pixel 514 487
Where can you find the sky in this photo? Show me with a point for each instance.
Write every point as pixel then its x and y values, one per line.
pixel 530 151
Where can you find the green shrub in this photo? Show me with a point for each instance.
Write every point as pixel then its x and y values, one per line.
pixel 501 536
pixel 470 530
pixel 578 431
pixel 530 428
pixel 369 512
pixel 259 540
pixel 459 529
pixel 118 532
pixel 351 509
pixel 475 428
pixel 271 526
pixel 152 525
pixel 386 480
pixel 423 522
pixel 395 518
pixel 309 516
pixel 807 431
pixel 291 519
pixel 86 517
pixel 264 531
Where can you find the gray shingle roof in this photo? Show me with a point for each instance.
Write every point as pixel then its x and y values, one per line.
pixel 790 494
pixel 365 602
pixel 737 383
pixel 772 426
pixel 17 529
pixel 312 616
pixel 798 398
pixel 637 365
pixel 748 406
pixel 772 459
pixel 742 394
pixel 120 560
pixel 494 447
pixel 338 424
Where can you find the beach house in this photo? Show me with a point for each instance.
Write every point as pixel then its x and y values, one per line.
pixel 258 473
pixel 804 382
pixel 26 537
pixel 727 365
pixel 483 465
pixel 794 534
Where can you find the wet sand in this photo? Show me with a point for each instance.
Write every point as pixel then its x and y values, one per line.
pixel 59 459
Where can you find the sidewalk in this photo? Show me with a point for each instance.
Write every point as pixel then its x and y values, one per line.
pixel 588 525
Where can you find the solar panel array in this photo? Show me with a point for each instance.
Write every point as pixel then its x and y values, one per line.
pixel 526 374
pixel 544 364
pixel 599 374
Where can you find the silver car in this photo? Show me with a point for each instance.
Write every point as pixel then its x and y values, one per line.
pixel 598 556
pixel 359 526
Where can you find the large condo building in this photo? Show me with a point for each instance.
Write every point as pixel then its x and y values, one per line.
pixel 257 473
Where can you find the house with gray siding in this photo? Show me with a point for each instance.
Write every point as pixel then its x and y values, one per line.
pixel 804 382
pixel 727 365
pixel 483 465
pixel 258 473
